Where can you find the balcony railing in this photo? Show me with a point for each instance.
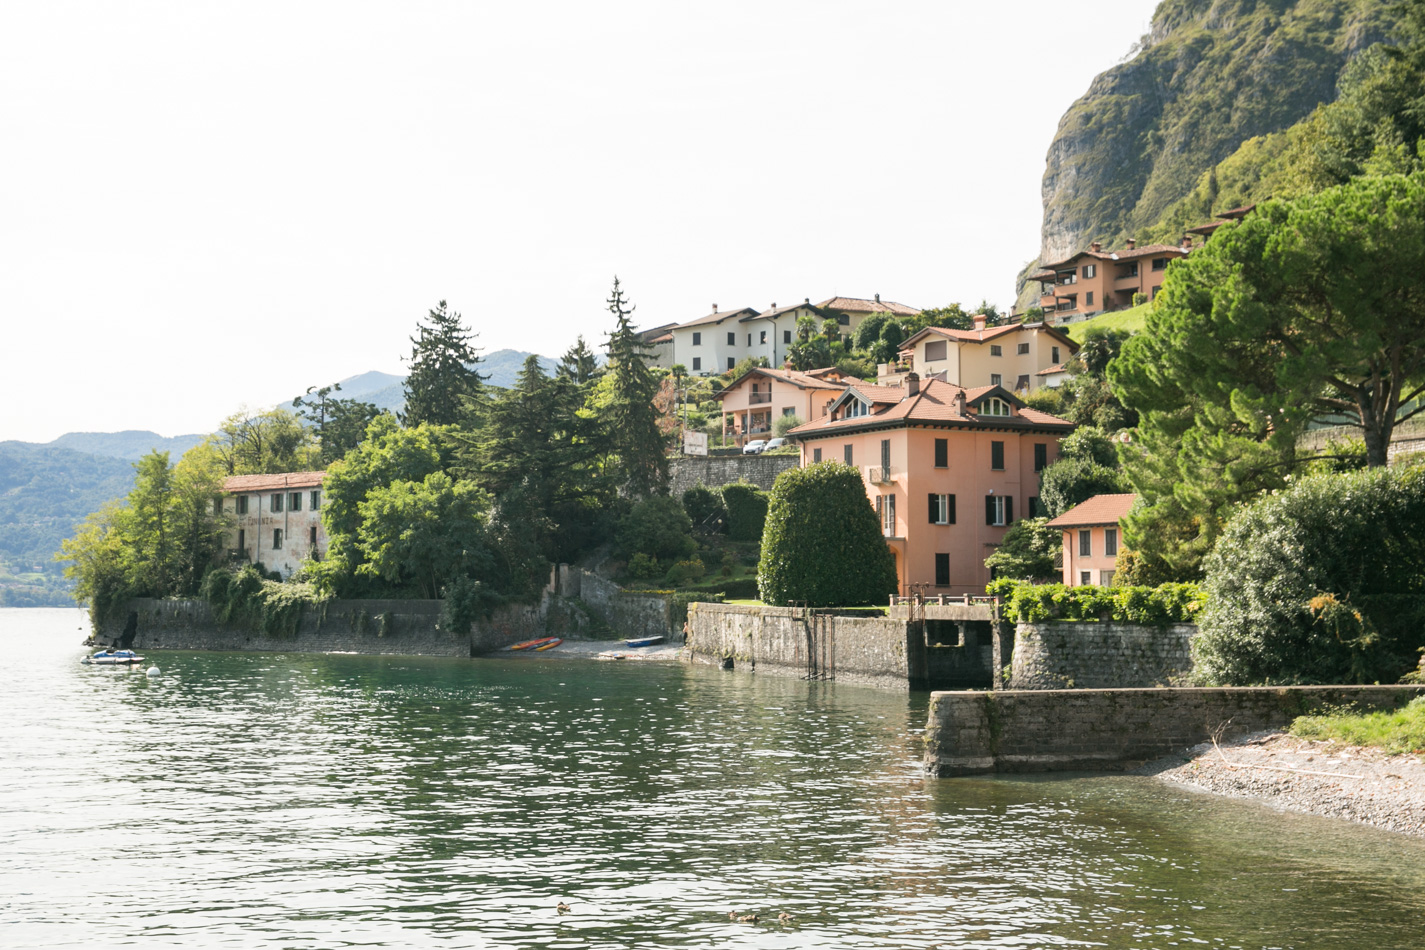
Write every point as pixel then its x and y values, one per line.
pixel 881 476
pixel 759 398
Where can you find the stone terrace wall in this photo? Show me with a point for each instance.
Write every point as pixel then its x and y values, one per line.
pixel 1100 655
pixel 863 651
pixel 1112 729
pixel 408 627
pixel 630 614
pixel 713 471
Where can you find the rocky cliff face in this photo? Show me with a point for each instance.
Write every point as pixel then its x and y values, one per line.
pixel 1210 75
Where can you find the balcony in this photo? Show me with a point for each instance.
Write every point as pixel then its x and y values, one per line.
pixel 755 399
pixel 881 476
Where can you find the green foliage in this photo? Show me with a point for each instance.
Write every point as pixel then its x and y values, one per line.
pixel 657 527
pixel 746 511
pixel 1304 310
pixel 684 571
pixel 263 443
pixel 1320 583
pixel 443 375
pixel 642 567
pixel 785 424
pixel 1028 551
pixel 822 545
pixel 704 506
pixel 467 601
pixel 339 424
pixel 1135 569
pixel 579 364
pixel 245 598
pixel 1087 466
pixel 625 404
pixel 1397 731
pixel 1148 606
pixel 424 534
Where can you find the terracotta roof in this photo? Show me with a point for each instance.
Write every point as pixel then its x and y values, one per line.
pixel 1051 370
pixel 1206 228
pixel 240 484
pixel 1124 254
pixel 990 333
pixel 665 338
pixel 1100 509
pixel 773 312
pixel 1239 212
pixel 798 379
pixel 935 403
pixel 1041 275
pixel 861 305
pixel 717 316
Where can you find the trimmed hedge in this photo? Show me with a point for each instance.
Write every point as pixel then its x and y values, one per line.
pixel 1149 606
pixel 746 511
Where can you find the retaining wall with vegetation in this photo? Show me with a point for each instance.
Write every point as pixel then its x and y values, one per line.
pixel 1114 729
pixel 630 614
pixel 714 471
pixel 1100 655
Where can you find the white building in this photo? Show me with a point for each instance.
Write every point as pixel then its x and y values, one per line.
pixel 277 519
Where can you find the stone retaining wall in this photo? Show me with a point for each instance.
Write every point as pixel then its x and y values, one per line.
pixel 1100 655
pixel 715 471
pixel 409 627
pixel 865 651
pixel 630 614
pixel 1113 729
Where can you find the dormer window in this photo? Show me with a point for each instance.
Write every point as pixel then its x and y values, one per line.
pixel 995 407
pixel 856 408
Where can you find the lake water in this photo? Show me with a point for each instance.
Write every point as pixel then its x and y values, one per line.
pixel 269 800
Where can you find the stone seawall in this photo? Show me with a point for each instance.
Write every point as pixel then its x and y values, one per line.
pixel 408 627
pixel 1100 655
pixel 714 471
pixel 1114 729
pixel 862 651
pixel 629 613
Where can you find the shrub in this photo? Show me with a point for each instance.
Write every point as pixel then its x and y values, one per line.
pixel 643 567
pixel 246 598
pixel 658 527
pixel 785 424
pixel 704 506
pixel 1150 606
pixel 746 511
pixel 684 571
pixel 822 545
pixel 1320 583
pixel 1028 551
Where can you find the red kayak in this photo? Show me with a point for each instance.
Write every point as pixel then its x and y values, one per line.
pixel 544 643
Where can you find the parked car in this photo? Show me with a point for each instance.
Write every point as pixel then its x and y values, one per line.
pixel 774 444
pixel 754 447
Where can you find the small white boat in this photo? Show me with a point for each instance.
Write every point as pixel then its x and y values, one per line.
pixel 113 658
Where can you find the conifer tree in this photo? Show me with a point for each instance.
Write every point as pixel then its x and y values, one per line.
pixel 444 374
pixel 630 417
pixel 579 363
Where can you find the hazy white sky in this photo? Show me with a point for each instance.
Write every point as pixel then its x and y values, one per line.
pixel 204 205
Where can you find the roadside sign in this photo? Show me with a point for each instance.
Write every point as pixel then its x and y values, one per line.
pixel 695 443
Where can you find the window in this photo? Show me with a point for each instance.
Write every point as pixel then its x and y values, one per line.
pixel 786 336
pixel 942 509
pixel 731 362
pixel 996 349
pixel 749 339
pixel 886 455
pixel 1088 298
pixel 763 339
pixel 697 339
pixel 1090 270
pixel 1110 542
pixel 294 501
pixel 942 570
pixel 1022 350
pixel 1105 578
pixel 996 379
pixel 1041 456
pixel 697 363
pixel 1160 263
pixel 217 507
pixel 276 539
pixel 1085 544
pixel 789 411
pixel 886 509
pixel 844 319
pixel 846 454
pixel 1036 509
pixel 995 407
pixel 816 455
pixel 935 350
pixel 997 456
pixel 732 339
pixel 1022 383
pixel 316 499
pixel 1085 578
pixel 856 408
pixel 276 504
pixel 240 504
pixel 999 510
pixel 242 540
pixel 942 453
pixel 1054 354
pixel 313 540
pixel 1132 270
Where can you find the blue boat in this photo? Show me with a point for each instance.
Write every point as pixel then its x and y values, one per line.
pixel 113 658
pixel 644 641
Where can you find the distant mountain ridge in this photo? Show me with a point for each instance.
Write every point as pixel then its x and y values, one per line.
pixel 384 390
pixel 132 444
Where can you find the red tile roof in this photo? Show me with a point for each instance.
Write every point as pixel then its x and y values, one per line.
pixel 717 316
pixel 811 379
pixel 861 305
pixel 1147 250
pixel 1051 370
pixel 241 484
pixel 989 333
pixel 935 403
pixel 1100 509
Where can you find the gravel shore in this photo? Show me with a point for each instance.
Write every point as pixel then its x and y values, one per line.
pixel 1358 783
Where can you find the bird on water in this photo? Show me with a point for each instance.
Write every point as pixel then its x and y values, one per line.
pixel 562 907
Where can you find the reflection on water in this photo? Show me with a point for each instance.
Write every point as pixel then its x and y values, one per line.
pixel 320 801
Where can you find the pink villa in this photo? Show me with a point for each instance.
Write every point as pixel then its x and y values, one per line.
pixel 1093 537
pixel 757 398
pixel 947 469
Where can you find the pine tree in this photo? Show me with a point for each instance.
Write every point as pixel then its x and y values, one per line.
pixel 630 417
pixel 443 371
pixel 579 363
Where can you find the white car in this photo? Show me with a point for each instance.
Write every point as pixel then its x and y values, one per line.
pixel 774 444
pixel 754 447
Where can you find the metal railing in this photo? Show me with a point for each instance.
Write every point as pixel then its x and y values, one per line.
pixel 945 600
pixel 759 398
pixel 881 476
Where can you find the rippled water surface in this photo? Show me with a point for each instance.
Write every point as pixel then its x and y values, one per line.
pixel 245 800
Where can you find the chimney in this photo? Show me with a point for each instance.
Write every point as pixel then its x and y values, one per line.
pixel 1096 247
pixel 979 320
pixel 960 402
pixel 806 301
pixel 714 308
pixel 912 384
pixel 1187 242
pixel 1132 243
pixel 878 298
pixel 774 305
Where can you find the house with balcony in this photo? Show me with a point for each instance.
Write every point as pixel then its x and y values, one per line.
pixel 757 398
pixel 1013 355
pixel 276 520
pixel 1097 281
pixel 1206 231
pixel 947 468
pixel 1093 536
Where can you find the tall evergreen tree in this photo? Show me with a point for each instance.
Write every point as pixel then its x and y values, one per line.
pixel 629 414
pixel 579 363
pixel 443 370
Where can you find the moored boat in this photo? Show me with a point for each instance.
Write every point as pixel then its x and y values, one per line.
pixel 113 658
pixel 553 642
pixel 644 641
pixel 543 643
